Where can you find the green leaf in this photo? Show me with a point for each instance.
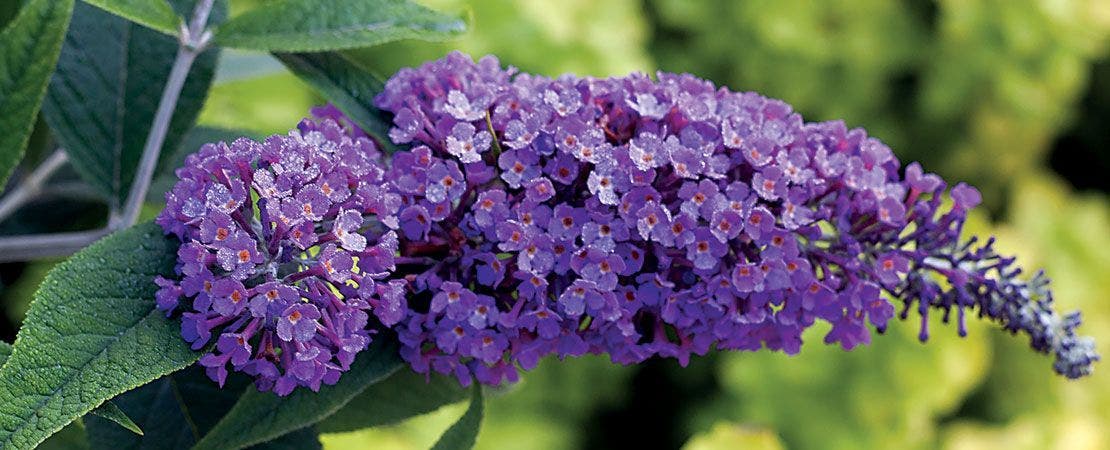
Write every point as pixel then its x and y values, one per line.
pixel 108 410
pixel 72 437
pixel 262 416
pixel 347 86
pixel 92 333
pixel 29 48
pixel 464 433
pixel 311 25
pixel 154 14
pixel 302 439
pixel 105 92
pixel 403 395
pixel 5 352
pixel 174 410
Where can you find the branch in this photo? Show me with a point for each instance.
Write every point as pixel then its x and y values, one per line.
pixel 194 39
pixel 38 246
pixel 32 185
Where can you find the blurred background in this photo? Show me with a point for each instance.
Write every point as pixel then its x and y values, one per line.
pixel 1012 96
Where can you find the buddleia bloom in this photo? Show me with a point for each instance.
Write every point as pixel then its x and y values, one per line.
pixel 641 217
pixel 277 276
pixel 527 216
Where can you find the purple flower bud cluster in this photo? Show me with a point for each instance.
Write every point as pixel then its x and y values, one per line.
pixel 275 264
pixel 639 218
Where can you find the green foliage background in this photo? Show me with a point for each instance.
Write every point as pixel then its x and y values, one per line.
pixel 978 90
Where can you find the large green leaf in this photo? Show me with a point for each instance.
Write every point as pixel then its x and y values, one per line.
pixel 346 85
pixel 154 14
pixel 91 333
pixel 106 89
pixel 176 410
pixel 403 395
pixel 463 434
pixel 261 416
pixel 311 25
pixel 29 48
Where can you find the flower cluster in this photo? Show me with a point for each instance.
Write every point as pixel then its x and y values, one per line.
pixel 639 218
pixel 275 263
pixel 529 216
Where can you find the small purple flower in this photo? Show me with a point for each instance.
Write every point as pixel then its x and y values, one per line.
pixel 647 151
pixel 965 197
pixel 466 144
pixel 891 268
pixel 602 185
pixel 758 222
pixel 415 222
pixel 726 225
pixel 768 183
pixel 539 190
pixel 445 182
pixel 461 107
pixel 490 208
pixel 298 322
pixel 654 222
pixel 345 229
pixel 518 166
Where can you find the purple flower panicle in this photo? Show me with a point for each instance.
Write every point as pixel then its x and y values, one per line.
pixel 640 218
pixel 530 216
pixel 276 266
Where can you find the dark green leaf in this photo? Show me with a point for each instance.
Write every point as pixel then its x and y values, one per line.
pixel 261 416
pixel 154 14
pixel 105 92
pixel 164 177
pixel 312 25
pixel 29 48
pixel 108 410
pixel 463 434
pixel 91 333
pixel 302 439
pixel 8 11
pixel 72 437
pixel 5 352
pixel 174 410
pixel 346 85
pixel 403 395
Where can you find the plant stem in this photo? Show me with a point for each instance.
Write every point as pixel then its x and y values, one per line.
pixel 38 246
pixel 32 185
pixel 194 39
